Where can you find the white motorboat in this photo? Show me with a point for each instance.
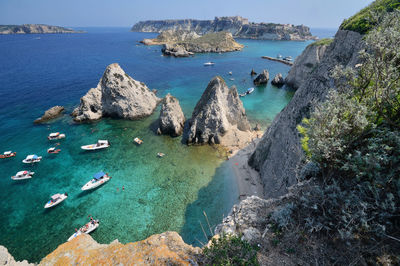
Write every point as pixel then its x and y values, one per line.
pixel 53 150
pixel 55 200
pixel 33 158
pixel 7 154
pixel 22 175
pixel 86 229
pixel 138 141
pixel 160 154
pixel 249 90
pixel 288 58
pixel 101 144
pixel 209 63
pixel 279 56
pixel 55 135
pixel 230 73
pixel 98 179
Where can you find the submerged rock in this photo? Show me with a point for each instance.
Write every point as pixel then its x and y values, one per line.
pixel 219 116
pixel 172 119
pixel 262 78
pixel 116 95
pixel 50 114
pixel 278 80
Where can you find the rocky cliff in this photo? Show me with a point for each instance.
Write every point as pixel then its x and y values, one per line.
pixel 116 95
pixel 219 117
pixel 34 29
pixel 172 119
pixel 50 114
pixel 238 26
pixel 7 259
pixel 279 155
pixel 171 36
pixel 305 63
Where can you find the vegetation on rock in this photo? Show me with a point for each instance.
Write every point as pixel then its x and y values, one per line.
pixel 325 41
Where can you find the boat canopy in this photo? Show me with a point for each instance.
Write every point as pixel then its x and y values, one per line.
pixel 102 141
pixel 249 89
pixel 31 157
pixel 54 134
pixel 7 152
pixel 56 196
pixel 22 173
pixel 99 175
pixel 52 149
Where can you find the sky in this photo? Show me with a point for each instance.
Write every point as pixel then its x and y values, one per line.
pixel 124 13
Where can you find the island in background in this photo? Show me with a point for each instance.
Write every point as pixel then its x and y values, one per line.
pixel 238 26
pixel 34 29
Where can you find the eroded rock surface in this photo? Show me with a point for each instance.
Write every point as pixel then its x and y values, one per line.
pixel 172 119
pixel 278 80
pixel 33 29
pixel 262 78
pixel 7 259
pixel 50 114
pixel 116 95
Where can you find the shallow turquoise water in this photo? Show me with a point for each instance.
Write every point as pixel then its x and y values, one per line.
pixel 161 194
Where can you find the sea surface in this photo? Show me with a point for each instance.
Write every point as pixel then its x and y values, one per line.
pixel 178 192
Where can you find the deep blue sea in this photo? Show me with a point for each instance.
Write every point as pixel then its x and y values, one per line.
pixel 169 193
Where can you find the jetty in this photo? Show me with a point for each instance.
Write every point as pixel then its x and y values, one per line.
pixel 278 60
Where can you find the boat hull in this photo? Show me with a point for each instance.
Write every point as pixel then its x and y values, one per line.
pixel 90 229
pixel 93 147
pixel 49 205
pixel 32 161
pixel 90 185
pixel 29 176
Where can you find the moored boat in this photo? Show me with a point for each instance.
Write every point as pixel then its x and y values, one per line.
pixel 288 58
pixel 33 158
pixel 7 154
pixel 160 154
pixel 55 135
pixel 138 141
pixel 86 229
pixel 98 179
pixel 279 56
pixel 101 144
pixel 209 63
pixel 53 150
pixel 55 200
pixel 249 90
pixel 22 175
pixel 230 72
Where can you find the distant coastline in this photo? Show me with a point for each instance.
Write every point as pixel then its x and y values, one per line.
pixel 35 29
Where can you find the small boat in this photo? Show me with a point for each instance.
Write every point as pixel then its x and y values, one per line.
pixel 86 229
pixel 209 63
pixel 242 94
pixel 55 135
pixel 232 79
pixel 249 90
pixel 230 73
pixel 7 154
pixel 160 154
pixel 53 150
pixel 138 141
pixel 55 200
pixel 101 144
pixel 279 56
pixel 21 175
pixel 33 158
pixel 98 179
pixel 288 58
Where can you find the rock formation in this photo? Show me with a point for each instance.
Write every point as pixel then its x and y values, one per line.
pixel 50 114
pixel 116 95
pixel 7 259
pixel 33 29
pixel 171 36
pixel 305 64
pixel 262 78
pixel 164 249
pixel 175 50
pixel 172 119
pixel 238 26
pixel 253 73
pixel 278 80
pixel 279 155
pixel 219 117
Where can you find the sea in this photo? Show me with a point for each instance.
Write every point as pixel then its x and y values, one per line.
pixel 189 190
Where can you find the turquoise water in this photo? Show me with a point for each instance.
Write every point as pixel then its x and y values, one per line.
pixel 169 193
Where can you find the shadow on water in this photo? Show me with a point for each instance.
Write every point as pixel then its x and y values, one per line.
pixel 213 203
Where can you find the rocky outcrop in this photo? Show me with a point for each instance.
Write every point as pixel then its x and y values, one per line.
pixel 278 80
pixel 219 117
pixel 238 26
pixel 262 78
pixel 34 29
pixel 279 155
pixel 50 114
pixel 7 259
pixel 175 50
pixel 116 95
pixel 172 119
pixel 171 36
pixel 305 64
pixel 164 249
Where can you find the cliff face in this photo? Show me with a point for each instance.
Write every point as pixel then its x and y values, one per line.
pixel 7 259
pixel 279 155
pixel 239 27
pixel 305 64
pixel 33 29
pixel 172 119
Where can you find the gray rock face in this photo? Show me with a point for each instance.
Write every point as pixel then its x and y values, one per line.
pixel 172 119
pixel 175 50
pixel 218 114
pixel 34 28
pixel 262 78
pixel 279 155
pixel 7 259
pixel 238 26
pixel 278 80
pixel 50 114
pixel 305 64
pixel 116 95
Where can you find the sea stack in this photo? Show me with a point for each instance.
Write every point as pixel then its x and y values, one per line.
pixel 219 117
pixel 117 95
pixel 50 114
pixel 262 78
pixel 172 119
pixel 278 80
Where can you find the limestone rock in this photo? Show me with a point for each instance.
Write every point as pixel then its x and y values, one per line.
pixel 219 116
pixel 172 119
pixel 278 80
pixel 116 95
pixel 164 249
pixel 34 29
pixel 7 259
pixel 253 73
pixel 50 114
pixel 175 50
pixel 172 36
pixel 262 78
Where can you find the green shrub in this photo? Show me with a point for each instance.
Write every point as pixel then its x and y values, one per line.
pixel 325 41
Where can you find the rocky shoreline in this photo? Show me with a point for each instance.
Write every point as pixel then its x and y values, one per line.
pixel 35 29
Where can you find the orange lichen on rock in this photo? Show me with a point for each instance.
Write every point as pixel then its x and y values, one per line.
pixel 164 249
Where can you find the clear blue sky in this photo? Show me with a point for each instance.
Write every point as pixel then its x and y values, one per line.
pixel 75 13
